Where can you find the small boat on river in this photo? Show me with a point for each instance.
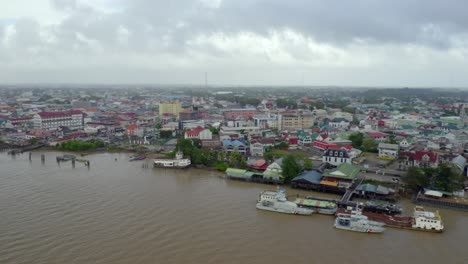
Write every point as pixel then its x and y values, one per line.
pixel 137 158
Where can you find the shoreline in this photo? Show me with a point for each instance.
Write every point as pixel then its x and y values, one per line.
pixel 411 198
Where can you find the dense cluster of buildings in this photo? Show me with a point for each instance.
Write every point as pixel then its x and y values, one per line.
pixel 424 137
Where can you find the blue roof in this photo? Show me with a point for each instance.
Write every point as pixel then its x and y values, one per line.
pixel 310 176
pixel 236 143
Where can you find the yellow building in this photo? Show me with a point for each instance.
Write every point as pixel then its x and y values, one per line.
pixel 295 121
pixel 173 108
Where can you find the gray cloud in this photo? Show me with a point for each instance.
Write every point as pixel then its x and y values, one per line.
pixel 182 37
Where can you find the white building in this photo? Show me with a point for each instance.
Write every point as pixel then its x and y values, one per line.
pixel 338 123
pixel 199 133
pixel 336 156
pixel 53 120
pixel 256 149
pixel 388 150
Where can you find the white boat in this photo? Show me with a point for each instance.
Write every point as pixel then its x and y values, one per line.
pixel 276 201
pixel 179 162
pixel 357 222
pixel 425 220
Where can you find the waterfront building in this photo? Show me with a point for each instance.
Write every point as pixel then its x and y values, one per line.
pixel 274 171
pixel 342 177
pixel 336 156
pixel 234 146
pixel 72 119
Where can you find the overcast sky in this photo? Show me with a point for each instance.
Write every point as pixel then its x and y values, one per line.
pixel 237 42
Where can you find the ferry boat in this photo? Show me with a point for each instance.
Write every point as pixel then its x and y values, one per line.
pixel 319 206
pixel 179 162
pixel 357 222
pixel 276 201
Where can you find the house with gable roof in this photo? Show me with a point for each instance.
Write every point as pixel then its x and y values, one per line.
pixel 198 133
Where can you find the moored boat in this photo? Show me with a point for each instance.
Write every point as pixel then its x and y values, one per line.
pixel 421 219
pixel 357 222
pixel 137 158
pixel 179 162
pixel 427 221
pixel 276 201
pixel 319 206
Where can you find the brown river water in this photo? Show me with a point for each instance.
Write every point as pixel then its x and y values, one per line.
pixel 120 212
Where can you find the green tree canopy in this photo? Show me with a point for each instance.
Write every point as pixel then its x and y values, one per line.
pixel 283 103
pixel 369 145
pixel 356 139
pixel 444 178
pixel 290 168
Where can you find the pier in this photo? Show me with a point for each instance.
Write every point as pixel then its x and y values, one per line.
pixel 19 150
pixel 345 200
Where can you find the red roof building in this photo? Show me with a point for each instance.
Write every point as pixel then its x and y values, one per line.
pixel 421 158
pixel 378 136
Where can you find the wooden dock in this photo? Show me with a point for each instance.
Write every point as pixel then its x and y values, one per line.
pixel 350 191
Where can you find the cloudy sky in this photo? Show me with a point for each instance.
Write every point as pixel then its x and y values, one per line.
pixel 237 42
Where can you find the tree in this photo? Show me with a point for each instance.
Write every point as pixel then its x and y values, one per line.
pixel 348 109
pixel 283 103
pixel 214 130
pixel 165 133
pixel 33 141
pixel 391 140
pixel 236 160
pixel 316 105
pixel 444 178
pixel 356 139
pixel 158 126
pixel 355 121
pixel 290 168
pixel 308 164
pixel 448 178
pixel 282 145
pixel 369 145
pixel 415 179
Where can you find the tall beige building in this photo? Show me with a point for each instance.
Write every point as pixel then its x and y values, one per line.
pixel 295 121
pixel 173 108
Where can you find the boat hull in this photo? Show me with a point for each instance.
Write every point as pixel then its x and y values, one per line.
pixel 376 230
pixel 171 167
pixel 298 211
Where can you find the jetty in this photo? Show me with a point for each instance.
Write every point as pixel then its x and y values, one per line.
pixel 19 150
pixel 346 198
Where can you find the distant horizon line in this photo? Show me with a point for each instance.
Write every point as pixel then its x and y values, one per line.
pixel 215 86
